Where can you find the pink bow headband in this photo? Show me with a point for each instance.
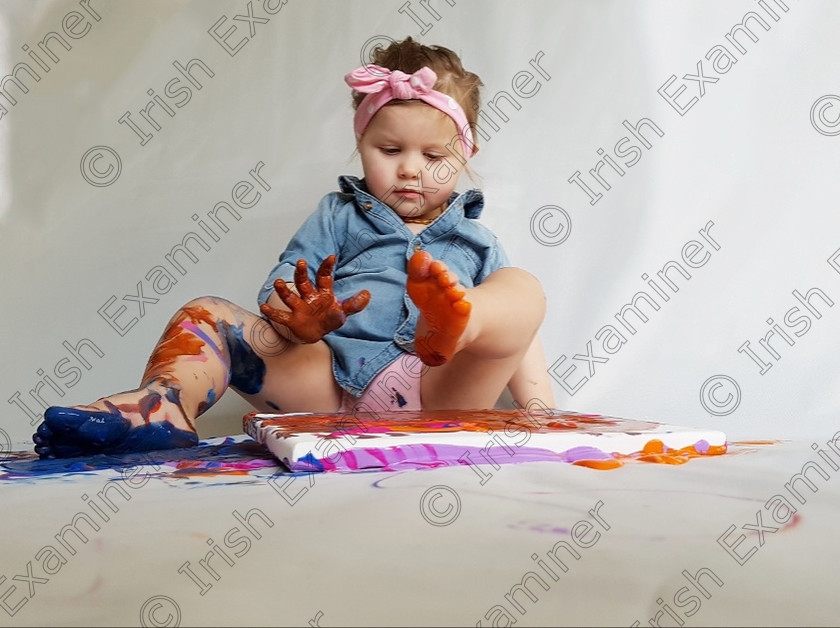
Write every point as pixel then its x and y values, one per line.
pixel 382 86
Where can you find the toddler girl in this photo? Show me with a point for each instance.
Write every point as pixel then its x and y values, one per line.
pixel 414 303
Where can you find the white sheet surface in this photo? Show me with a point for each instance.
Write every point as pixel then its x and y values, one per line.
pixel 357 548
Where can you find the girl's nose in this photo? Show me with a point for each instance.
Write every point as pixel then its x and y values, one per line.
pixel 409 167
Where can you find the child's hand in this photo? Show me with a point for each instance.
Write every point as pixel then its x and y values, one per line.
pixel 316 312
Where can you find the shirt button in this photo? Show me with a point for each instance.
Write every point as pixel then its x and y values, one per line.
pixel 368 205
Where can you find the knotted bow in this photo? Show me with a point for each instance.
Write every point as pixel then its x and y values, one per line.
pixel 371 79
pixel 383 85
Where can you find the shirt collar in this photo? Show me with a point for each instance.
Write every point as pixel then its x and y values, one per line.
pixel 472 201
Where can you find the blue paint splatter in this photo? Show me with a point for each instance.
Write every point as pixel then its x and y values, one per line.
pixel 309 463
pixel 361 362
pixel 247 369
pixel 228 453
pixel 400 399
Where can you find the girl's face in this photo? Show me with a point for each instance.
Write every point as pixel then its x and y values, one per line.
pixel 405 158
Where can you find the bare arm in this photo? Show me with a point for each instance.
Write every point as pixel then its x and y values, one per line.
pixel 531 379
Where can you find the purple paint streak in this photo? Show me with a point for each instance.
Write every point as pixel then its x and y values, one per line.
pixel 425 456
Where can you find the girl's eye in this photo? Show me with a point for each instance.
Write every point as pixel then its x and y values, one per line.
pixel 433 157
pixel 390 151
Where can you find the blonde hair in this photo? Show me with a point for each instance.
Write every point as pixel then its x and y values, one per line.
pixel 452 79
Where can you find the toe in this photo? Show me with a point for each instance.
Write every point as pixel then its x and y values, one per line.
pixel 418 265
pixel 437 268
pixel 455 293
pixel 42 433
pixel 447 279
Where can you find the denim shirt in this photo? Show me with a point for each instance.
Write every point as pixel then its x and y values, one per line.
pixel 372 247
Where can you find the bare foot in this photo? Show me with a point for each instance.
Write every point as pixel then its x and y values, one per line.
pixel 141 420
pixel 444 312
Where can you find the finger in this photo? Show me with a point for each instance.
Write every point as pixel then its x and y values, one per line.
pixel 288 297
pixel 281 317
pixel 302 282
pixel 356 303
pixel 324 276
pixel 281 289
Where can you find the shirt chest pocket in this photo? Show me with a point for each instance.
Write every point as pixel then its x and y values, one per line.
pixel 461 260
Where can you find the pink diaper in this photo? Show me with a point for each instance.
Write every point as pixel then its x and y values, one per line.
pixel 396 387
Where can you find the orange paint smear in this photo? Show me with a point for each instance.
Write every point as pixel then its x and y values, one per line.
pixel 443 421
pixel 195 468
pixel 654 452
pixel 601 465
pixel 177 342
pixel 208 472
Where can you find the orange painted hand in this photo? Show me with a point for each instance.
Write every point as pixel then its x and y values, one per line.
pixel 316 312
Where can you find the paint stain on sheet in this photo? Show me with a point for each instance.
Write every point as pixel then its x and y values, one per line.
pixel 231 457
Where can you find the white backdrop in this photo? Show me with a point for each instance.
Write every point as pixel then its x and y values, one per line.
pixel 748 152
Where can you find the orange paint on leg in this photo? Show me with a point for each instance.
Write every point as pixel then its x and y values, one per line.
pixel 177 342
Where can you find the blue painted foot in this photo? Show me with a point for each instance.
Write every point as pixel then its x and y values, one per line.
pixel 69 432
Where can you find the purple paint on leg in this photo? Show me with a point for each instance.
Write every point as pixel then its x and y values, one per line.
pixel 701 446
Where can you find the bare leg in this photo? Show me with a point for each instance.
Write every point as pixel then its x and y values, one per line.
pixel 507 309
pixel 531 380
pixel 208 345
